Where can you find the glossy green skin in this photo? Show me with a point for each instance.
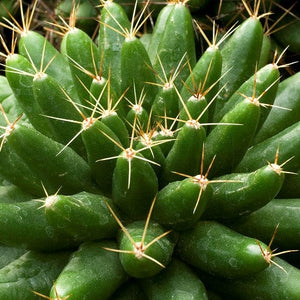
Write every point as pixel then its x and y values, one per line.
pixel 266 51
pixel 105 97
pixel 234 199
pixel 34 43
pixel 179 25
pixel 185 154
pixel 56 105
pixel 153 153
pixel 262 223
pixel 117 125
pixel 99 94
pixel 92 273
pixel 288 96
pixel 36 105
pixel 210 61
pixel 110 41
pixel 177 282
pixel 175 204
pixel 265 77
pixel 32 271
pixel 158 30
pixel 220 251
pixel 8 254
pixel 134 201
pixel 5 90
pixel 98 146
pixel 272 283
pixel 141 117
pixel 270 95
pixel 230 142
pixel 146 39
pixel 165 104
pixel 21 85
pixel 169 139
pixel 161 250
pixel 85 219
pixel 84 216
pixel 14 169
pixel 9 102
pixel 135 64
pixel 239 56
pixel 288 143
pixel 67 169
pixel 12 108
pixel 25 225
pixel 195 106
pixel 77 46
pixel 12 194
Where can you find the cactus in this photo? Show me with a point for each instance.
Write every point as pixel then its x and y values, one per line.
pixel 131 166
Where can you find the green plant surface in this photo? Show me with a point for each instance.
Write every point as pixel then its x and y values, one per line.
pixel 138 163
